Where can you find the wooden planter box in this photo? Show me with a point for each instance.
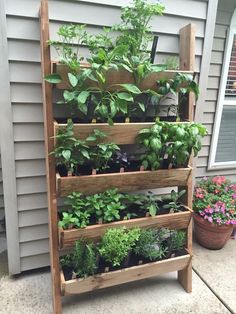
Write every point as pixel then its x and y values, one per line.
pixel 179 220
pixel 124 182
pixel 119 133
pixel 104 280
pixel 115 78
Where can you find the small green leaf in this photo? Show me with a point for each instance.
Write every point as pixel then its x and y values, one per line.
pixel 72 79
pixel 152 210
pixel 53 78
pixel 85 153
pixel 141 106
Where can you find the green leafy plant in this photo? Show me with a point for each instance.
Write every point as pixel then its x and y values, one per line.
pixel 153 140
pixel 149 203
pixel 67 47
pixel 68 221
pixel 183 139
pixel 101 154
pixel 134 28
pixel 70 151
pixel 177 240
pixel 117 243
pixel 149 245
pixel 84 258
pixel 66 260
pixel 173 200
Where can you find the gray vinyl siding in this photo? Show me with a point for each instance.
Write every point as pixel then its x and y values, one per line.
pixel 26 95
pixel 224 14
pixel 1 198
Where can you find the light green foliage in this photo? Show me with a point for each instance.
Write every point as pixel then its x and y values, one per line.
pixel 84 258
pixel 134 28
pixel 117 243
pixel 176 140
pixel 174 201
pixel 67 47
pixel 177 240
pixel 153 140
pixel 149 203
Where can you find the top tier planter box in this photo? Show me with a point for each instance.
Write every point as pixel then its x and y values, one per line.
pixel 115 78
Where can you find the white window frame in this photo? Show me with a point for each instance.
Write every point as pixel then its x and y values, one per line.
pixel 212 164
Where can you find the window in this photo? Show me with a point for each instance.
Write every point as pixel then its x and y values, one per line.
pixel 223 146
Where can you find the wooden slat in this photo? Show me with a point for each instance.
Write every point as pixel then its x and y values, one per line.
pixel 119 133
pixel 187 62
pixel 118 277
pixel 115 78
pixel 124 182
pixel 171 221
pixel 50 160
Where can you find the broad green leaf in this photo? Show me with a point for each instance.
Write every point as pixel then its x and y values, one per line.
pixel 83 108
pixel 82 97
pixel 85 153
pixel 152 210
pixel 68 96
pixel 53 78
pixel 126 68
pixel 113 109
pixel 66 154
pixel 125 96
pixel 72 79
pixel 131 88
pixel 123 107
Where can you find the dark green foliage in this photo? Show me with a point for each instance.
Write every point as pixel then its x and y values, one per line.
pixel 177 240
pixel 117 243
pixel 174 201
pixel 149 245
pixel 84 258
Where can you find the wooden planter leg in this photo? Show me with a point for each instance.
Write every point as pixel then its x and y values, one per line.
pixel 185 277
pixel 50 161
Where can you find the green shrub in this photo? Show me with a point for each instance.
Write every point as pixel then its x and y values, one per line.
pixel 117 243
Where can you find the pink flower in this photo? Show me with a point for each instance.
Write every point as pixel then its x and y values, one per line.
pixel 205 217
pixel 210 219
pixel 211 210
pixel 234 196
pixel 227 222
pixel 219 180
pixel 202 213
pixel 233 222
pixel 205 178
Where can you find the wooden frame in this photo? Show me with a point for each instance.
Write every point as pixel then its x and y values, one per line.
pixel 105 280
pixel 178 221
pixel 181 264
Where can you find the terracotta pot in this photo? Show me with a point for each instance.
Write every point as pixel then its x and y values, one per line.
pixel 210 235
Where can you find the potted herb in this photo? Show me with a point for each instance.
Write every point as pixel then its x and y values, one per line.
pixel 214 205
pixel 116 245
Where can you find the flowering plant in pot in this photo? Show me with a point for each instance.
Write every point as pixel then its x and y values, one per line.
pixel 214 204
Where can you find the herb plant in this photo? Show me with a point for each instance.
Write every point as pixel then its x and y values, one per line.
pixel 173 199
pixel 68 221
pixel 148 245
pixel 149 203
pixel 177 240
pixel 84 258
pixel 117 243
pixel 134 28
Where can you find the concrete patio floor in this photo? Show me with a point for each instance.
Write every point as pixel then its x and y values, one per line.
pixel 213 292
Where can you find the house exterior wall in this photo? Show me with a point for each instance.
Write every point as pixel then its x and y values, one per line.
pixel 26 95
pixel 224 15
pixel 1 198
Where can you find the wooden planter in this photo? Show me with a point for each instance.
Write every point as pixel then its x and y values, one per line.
pixel 179 220
pixel 114 78
pixel 119 133
pixel 104 280
pixel 124 182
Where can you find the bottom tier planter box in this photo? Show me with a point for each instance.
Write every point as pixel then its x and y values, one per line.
pixel 178 220
pixel 113 278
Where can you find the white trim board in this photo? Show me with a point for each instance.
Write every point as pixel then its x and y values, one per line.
pixel 212 164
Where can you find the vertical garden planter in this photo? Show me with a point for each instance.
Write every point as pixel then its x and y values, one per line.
pixel 120 133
